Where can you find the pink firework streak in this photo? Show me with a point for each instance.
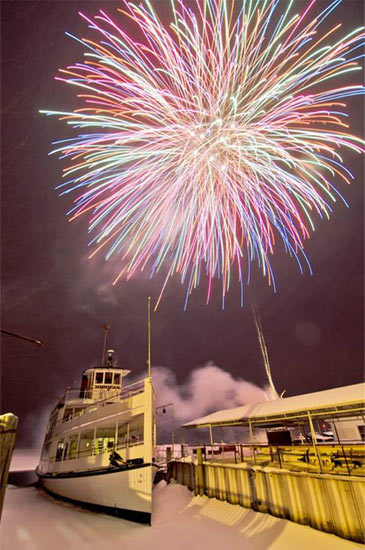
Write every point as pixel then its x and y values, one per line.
pixel 202 144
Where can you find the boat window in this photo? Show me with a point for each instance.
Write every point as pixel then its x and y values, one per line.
pixel 68 414
pixel 72 447
pixel 136 429
pixel 132 433
pixel 84 381
pixel 104 439
pixel 51 424
pixel 45 451
pixel 122 434
pixel 108 377
pixel 60 449
pixel 99 377
pixel 86 443
pixel 117 378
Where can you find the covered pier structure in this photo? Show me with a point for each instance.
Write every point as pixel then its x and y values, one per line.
pixel 321 432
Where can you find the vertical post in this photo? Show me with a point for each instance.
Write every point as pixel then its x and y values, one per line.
pixel 148 428
pixel 342 448
pixel 279 457
pixel 199 482
pixel 314 441
pixel 127 443
pixel 252 441
pixel 335 427
pixel 172 430
pixel 93 442
pixel 211 435
pixel 78 444
pixel 106 328
pixel 116 435
pixel 149 335
pixel 8 427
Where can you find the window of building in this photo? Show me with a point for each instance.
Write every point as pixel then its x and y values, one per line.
pixel 108 377
pixel 99 377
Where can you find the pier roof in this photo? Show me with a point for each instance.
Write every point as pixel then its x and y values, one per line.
pixel 343 401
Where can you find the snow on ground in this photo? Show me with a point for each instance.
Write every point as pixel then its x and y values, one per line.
pixel 32 520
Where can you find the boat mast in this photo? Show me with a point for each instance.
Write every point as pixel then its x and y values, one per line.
pixel 106 328
pixel 149 335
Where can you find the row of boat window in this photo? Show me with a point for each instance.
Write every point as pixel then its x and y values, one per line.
pixel 96 441
pixel 107 378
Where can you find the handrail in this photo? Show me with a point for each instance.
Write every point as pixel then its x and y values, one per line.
pixel 337 458
pixel 76 391
pixel 91 452
pixel 102 402
pixel 126 393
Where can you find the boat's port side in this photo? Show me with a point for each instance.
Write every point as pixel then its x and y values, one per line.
pixel 102 453
pixel 87 442
pixel 123 492
pixel 131 515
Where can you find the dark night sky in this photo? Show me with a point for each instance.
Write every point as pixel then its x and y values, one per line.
pixel 313 325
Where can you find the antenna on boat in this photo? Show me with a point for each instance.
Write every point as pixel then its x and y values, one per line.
pixel 106 328
pixel 149 335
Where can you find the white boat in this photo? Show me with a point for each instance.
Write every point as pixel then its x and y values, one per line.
pixel 100 443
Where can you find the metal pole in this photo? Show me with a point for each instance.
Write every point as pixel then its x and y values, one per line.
pixel 252 441
pixel 106 328
pixel 149 335
pixel 314 441
pixel 78 445
pixel 343 450
pixel 116 435
pixel 172 430
pixel 26 338
pixel 211 435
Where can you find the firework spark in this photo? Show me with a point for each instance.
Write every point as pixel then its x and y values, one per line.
pixel 204 142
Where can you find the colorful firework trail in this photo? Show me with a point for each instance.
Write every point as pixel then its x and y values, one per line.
pixel 203 142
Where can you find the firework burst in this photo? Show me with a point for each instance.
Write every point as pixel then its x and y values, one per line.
pixel 202 143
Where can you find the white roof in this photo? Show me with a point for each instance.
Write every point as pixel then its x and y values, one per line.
pixel 123 372
pixel 336 397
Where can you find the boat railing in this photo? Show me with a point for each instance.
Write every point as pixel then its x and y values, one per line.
pixel 70 394
pixel 95 450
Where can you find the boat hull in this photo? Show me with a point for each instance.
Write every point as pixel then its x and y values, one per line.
pixel 123 492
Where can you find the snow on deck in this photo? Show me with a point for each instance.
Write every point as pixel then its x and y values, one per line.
pixel 345 395
pixel 33 520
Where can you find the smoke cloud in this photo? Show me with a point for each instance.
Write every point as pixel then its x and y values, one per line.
pixel 207 389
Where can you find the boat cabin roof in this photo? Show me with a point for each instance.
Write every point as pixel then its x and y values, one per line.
pixel 123 372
